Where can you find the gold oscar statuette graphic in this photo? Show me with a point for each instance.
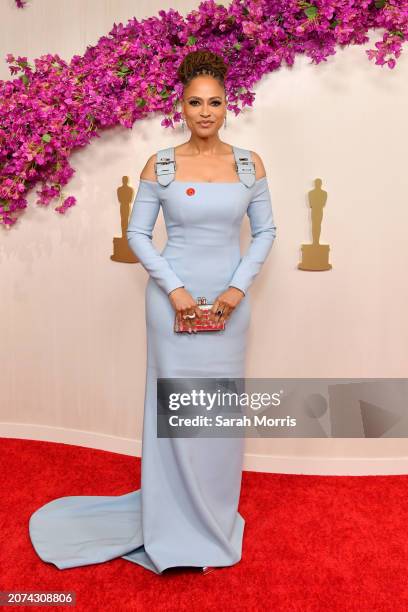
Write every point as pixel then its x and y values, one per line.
pixel 121 249
pixel 315 256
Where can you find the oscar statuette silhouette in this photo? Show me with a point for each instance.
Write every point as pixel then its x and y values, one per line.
pixel 121 250
pixel 315 256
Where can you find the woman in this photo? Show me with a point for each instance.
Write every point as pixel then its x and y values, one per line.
pixel 185 513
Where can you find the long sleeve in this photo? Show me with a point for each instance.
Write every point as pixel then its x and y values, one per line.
pixel 146 207
pixel 263 231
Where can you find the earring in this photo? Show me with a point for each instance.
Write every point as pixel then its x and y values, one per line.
pixel 182 124
pixel 225 122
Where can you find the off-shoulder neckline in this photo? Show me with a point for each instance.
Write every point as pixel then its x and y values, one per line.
pixel 203 182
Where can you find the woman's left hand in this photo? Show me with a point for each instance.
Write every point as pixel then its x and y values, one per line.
pixel 226 302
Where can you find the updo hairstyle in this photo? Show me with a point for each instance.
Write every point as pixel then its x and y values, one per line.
pixel 202 62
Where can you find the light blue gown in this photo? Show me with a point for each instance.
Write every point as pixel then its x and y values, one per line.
pixel 185 513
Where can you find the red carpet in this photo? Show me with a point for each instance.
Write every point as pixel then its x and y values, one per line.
pixel 326 543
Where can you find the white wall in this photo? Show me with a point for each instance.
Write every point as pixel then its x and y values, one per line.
pixel 72 321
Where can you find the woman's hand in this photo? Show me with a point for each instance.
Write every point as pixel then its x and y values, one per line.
pixel 184 304
pixel 226 302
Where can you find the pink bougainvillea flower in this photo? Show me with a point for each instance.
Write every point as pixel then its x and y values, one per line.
pixel 53 107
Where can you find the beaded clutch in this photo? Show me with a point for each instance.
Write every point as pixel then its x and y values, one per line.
pixel 203 323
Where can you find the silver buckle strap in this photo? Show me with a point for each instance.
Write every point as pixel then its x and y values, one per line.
pixel 165 166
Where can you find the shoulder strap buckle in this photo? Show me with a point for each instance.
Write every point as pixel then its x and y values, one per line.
pixel 244 166
pixel 165 166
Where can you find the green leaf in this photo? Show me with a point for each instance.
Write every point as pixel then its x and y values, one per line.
pixel 25 79
pixel 46 137
pixel 191 40
pixel 122 70
pixel 237 46
pixel 380 4
pixel 397 33
pixel 140 102
pixel 311 12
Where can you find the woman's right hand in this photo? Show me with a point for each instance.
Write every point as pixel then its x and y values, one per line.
pixel 184 303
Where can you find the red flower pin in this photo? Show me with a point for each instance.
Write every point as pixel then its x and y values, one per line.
pixel 190 191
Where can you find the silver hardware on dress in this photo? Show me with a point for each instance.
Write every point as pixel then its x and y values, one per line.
pixel 165 166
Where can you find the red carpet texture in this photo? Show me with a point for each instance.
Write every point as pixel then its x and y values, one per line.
pixel 326 543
